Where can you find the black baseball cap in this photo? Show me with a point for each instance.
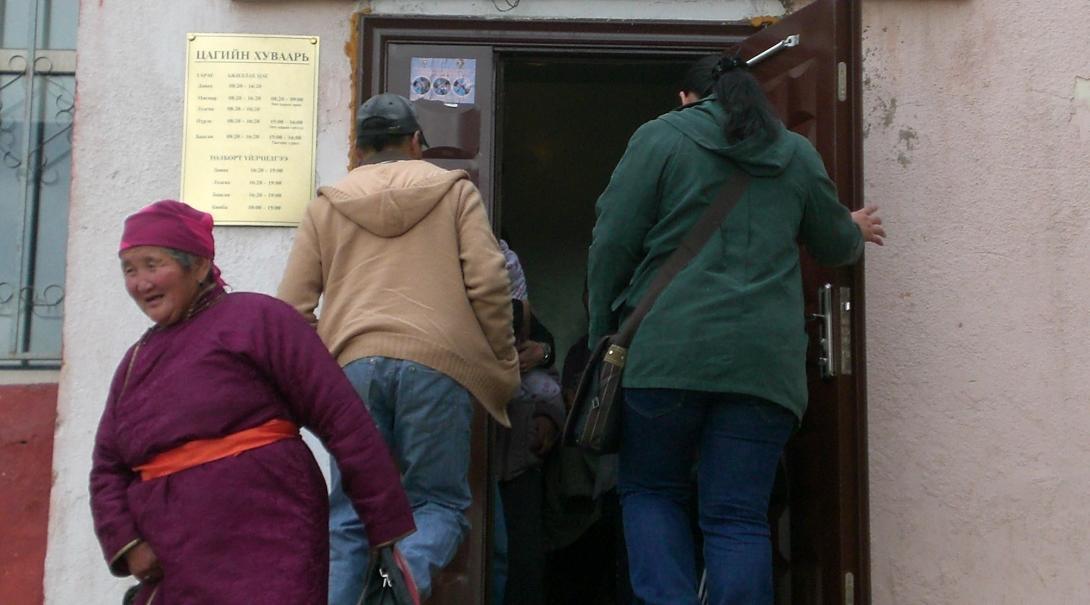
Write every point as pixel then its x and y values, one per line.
pixel 388 113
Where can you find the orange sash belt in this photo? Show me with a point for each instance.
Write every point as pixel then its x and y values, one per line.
pixel 201 451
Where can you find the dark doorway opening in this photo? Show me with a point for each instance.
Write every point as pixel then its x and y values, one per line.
pixel 564 123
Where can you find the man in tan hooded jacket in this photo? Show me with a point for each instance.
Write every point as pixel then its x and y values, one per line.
pixel 416 308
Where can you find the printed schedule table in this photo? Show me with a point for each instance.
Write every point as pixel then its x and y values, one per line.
pixel 250 127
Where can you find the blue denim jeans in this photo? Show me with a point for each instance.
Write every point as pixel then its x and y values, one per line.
pixel 424 416
pixel 736 442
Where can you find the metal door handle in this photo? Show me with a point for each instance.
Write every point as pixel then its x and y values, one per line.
pixel 827 358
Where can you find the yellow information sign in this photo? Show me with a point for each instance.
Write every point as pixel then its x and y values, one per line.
pixel 250 127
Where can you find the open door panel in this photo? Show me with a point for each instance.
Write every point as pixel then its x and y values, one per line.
pixel 822 552
pixel 459 134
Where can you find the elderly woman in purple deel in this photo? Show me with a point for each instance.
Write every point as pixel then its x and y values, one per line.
pixel 201 486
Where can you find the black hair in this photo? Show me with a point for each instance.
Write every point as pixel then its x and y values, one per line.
pixel 748 110
pixel 698 78
pixel 738 92
pixel 380 141
pixel 377 141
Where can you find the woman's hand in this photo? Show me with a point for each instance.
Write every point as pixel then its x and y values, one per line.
pixel 870 224
pixel 531 354
pixel 143 564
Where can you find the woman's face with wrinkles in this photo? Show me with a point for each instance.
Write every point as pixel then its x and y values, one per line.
pixel 161 287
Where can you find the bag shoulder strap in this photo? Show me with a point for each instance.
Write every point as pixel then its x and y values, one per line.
pixel 690 246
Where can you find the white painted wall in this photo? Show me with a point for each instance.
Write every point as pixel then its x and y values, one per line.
pixel 979 368
pixel 127 147
pixel 978 146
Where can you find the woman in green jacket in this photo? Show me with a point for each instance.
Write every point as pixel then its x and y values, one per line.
pixel 715 372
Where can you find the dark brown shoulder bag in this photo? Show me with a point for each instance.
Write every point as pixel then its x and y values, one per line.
pixel 594 423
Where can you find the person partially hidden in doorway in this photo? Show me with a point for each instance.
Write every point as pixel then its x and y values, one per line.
pixel 585 554
pixel 716 372
pixel 537 415
pixel 416 308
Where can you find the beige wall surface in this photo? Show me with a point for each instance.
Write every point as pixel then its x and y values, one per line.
pixel 977 116
pixel 978 149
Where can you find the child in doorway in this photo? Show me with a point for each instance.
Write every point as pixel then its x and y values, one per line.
pixel 540 382
pixel 537 414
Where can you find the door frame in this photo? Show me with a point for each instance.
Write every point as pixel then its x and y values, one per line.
pixel 583 37
pixel 560 36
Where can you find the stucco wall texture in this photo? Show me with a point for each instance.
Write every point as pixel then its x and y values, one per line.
pixel 978 133
pixel 977 148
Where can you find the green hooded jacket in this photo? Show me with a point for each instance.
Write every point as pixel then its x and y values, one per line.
pixel 732 320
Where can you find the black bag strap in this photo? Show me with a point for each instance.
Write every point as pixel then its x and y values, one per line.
pixel 690 246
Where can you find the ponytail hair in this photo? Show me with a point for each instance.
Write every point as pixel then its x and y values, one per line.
pixel 748 111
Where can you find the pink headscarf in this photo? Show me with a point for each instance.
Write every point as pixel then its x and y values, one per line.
pixel 172 224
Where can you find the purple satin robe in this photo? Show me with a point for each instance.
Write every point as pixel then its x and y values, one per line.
pixel 252 528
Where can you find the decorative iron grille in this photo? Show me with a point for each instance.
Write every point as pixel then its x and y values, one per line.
pixel 37 98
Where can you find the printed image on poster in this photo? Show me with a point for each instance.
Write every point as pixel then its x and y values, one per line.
pixel 446 80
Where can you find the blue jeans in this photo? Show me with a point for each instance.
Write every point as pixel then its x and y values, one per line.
pixel 424 416
pixel 736 440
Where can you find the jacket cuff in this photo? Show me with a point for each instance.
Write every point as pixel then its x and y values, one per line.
pixel 857 254
pixel 389 531
pixel 118 565
pixel 390 541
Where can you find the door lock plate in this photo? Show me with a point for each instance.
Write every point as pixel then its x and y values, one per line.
pixel 827 359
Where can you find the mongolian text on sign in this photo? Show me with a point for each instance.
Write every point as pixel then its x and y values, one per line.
pixel 250 124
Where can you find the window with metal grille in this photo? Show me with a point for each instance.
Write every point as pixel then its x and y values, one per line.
pixel 37 98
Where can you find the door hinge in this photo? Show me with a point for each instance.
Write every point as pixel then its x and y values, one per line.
pixel 842 81
pixel 849 588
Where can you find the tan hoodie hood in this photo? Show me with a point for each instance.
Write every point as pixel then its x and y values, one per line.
pixel 387 200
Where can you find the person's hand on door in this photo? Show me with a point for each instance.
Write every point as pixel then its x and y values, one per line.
pixel 870 224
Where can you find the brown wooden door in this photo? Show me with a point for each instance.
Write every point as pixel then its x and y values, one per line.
pixel 822 557
pixel 459 134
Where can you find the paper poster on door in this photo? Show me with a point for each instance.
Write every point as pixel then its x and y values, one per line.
pixel 445 80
